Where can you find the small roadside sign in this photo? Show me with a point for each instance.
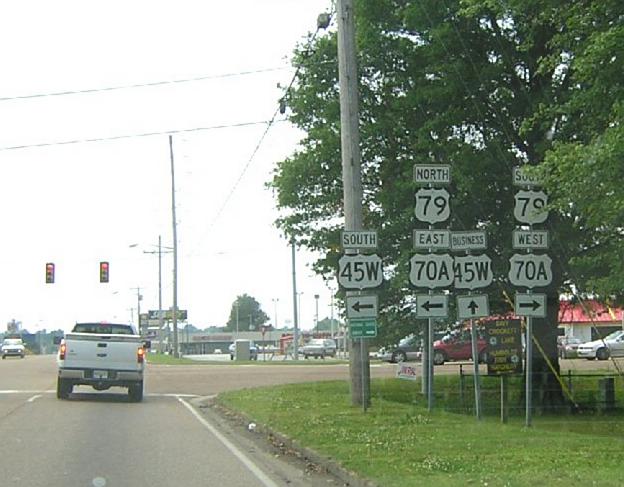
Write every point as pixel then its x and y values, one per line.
pixel 431 305
pixel 361 271
pixel 468 240
pixel 530 239
pixel 432 205
pixel 355 240
pixel 434 174
pixel 530 305
pixel 431 270
pixel 472 306
pixel 473 271
pixel 359 307
pixel 530 207
pixel 366 328
pixel 530 270
pixel 504 346
pixel 432 239
pixel 521 178
pixel 406 371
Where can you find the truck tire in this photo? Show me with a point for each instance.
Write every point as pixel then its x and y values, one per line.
pixel 63 388
pixel 135 392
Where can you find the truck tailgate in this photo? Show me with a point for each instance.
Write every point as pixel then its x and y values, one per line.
pixel 112 352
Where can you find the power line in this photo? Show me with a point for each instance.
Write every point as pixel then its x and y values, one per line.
pixel 133 136
pixel 311 39
pixel 140 85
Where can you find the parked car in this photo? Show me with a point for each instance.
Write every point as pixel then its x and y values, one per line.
pixel 407 349
pixel 567 346
pixel 319 347
pixel 253 349
pixel 610 346
pixel 458 346
pixel 13 347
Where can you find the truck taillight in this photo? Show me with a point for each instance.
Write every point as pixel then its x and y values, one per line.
pixel 140 355
pixel 62 350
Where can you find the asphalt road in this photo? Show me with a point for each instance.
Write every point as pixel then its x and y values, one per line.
pixel 100 439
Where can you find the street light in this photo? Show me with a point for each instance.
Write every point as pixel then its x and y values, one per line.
pixel 316 298
pixel 275 301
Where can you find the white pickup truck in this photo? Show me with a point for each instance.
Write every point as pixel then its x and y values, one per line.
pixel 101 355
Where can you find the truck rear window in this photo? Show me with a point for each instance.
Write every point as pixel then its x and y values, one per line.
pixel 104 328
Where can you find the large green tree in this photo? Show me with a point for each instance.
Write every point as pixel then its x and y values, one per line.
pixel 246 315
pixel 585 168
pixel 475 84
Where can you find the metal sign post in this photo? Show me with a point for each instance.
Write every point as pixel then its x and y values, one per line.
pixel 529 372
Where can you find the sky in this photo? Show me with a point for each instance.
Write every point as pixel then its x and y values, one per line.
pixel 76 204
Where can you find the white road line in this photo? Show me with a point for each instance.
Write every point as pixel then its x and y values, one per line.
pixel 34 398
pixel 260 475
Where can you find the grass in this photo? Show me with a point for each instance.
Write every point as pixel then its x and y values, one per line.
pixel 397 443
pixel 162 359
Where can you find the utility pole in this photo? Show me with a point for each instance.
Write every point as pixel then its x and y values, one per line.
pixel 316 317
pixel 295 296
pixel 176 351
pixel 160 310
pixel 359 362
pixel 139 298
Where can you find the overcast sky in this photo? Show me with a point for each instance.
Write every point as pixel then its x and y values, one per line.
pixel 78 204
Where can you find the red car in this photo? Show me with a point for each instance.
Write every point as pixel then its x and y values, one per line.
pixel 457 347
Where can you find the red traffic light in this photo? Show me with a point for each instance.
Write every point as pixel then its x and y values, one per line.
pixel 104 267
pixel 49 273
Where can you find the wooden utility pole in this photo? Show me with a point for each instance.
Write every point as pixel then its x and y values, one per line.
pixel 351 175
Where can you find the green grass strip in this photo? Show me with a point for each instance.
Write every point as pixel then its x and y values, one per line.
pixel 397 443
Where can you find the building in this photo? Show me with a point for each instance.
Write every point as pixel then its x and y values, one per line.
pixel 589 319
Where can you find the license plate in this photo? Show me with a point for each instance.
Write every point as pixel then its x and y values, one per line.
pixel 100 374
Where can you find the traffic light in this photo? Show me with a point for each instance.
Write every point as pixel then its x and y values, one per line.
pixel 49 273
pixel 104 271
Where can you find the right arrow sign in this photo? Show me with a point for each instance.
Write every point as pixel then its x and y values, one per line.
pixel 530 305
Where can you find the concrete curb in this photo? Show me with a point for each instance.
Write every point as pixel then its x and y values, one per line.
pixel 290 446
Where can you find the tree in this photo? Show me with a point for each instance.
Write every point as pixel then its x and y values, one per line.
pixel 246 315
pixel 472 83
pixel 328 325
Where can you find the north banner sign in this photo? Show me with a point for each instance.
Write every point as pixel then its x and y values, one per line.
pixel 433 174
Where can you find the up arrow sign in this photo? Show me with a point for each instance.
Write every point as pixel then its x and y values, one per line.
pixel 472 306
pixel 364 306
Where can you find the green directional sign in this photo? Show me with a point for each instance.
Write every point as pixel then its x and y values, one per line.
pixel 363 328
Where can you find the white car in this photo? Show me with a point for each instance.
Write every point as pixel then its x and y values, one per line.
pixel 13 347
pixel 610 346
pixel 319 347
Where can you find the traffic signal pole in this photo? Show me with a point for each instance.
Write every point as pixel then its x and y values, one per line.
pixel 359 365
